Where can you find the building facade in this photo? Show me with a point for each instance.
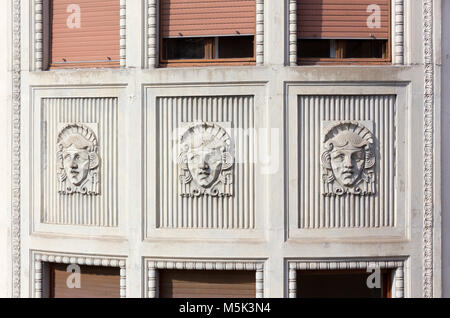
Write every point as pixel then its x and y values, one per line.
pixel 165 148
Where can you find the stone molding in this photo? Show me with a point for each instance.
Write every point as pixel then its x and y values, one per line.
pixel 153 265
pixel 399 267
pixel 428 164
pixel 43 257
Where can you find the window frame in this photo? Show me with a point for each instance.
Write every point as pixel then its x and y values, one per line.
pixel 205 62
pixel 43 41
pixel 348 61
pixel 387 277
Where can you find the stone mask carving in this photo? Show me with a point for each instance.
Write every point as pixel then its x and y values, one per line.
pixel 78 160
pixel 206 161
pixel 348 159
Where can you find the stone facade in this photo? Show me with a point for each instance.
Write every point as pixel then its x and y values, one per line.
pixel 280 194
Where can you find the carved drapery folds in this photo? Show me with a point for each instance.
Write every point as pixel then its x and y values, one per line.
pixel 348 158
pixel 206 161
pixel 78 159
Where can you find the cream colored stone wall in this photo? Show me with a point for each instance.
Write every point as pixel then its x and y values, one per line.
pixel 137 219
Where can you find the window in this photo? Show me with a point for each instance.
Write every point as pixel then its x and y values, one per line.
pixel 207 32
pixel 84 33
pixel 343 31
pixel 207 284
pixel 341 284
pixel 95 282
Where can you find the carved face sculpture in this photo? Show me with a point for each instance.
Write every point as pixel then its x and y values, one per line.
pixel 76 164
pixel 205 164
pixel 78 160
pixel 204 158
pixel 348 160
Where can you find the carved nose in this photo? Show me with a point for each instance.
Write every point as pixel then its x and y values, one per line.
pixel 73 164
pixel 204 165
pixel 348 162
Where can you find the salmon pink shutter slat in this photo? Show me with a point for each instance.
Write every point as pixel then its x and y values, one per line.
pixel 341 19
pixel 207 17
pixel 96 41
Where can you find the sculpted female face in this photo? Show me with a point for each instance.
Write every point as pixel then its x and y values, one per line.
pixel 76 164
pixel 347 163
pixel 205 165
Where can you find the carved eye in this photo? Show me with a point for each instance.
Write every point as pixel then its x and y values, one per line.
pixel 339 158
pixel 194 158
pixel 358 156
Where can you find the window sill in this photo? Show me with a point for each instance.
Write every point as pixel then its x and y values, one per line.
pixel 331 61
pixel 84 65
pixel 211 62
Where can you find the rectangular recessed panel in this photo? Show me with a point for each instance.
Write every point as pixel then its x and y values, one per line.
pixel 343 19
pixel 79 209
pixel 207 17
pixel 174 210
pixel 206 284
pixel 350 210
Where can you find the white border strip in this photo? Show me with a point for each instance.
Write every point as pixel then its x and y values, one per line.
pixel 123 33
pixel 259 36
pixel 428 165
pixel 152 33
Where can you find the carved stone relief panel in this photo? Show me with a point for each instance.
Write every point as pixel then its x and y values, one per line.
pixel 79 184
pixel 348 158
pixel 347 161
pixel 78 159
pixel 206 160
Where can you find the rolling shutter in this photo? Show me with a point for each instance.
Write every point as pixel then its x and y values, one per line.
pixel 341 19
pixel 207 284
pixel 96 282
pixel 189 18
pixel 95 43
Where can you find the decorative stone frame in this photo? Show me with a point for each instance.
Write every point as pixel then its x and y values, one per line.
pixel 153 265
pixel 397 32
pixel 152 34
pixel 41 16
pixel 105 261
pixel 399 267
pixel 295 89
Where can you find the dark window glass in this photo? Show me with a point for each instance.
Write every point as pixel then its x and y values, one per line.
pixel 342 49
pixel 339 284
pixel 314 48
pixel 235 47
pixel 363 48
pixel 184 48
